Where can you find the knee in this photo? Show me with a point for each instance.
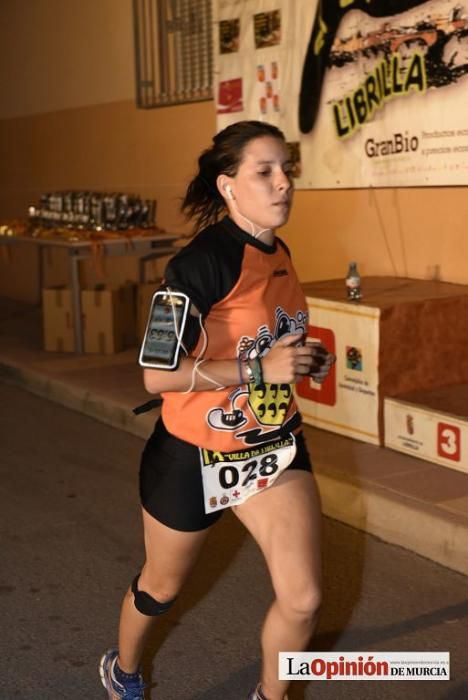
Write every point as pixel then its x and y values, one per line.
pixel 303 604
pixel 157 584
pixel 149 599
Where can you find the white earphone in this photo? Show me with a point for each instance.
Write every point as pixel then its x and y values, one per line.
pixel 230 195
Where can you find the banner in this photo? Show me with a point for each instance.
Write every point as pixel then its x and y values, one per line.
pixel 369 93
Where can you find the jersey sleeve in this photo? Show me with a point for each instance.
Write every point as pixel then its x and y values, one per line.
pixel 193 271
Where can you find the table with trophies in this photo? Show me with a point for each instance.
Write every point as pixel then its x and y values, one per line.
pixel 90 226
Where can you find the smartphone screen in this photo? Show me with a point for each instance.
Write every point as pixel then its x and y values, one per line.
pixel 161 345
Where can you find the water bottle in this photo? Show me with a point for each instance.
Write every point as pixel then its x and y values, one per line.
pixel 353 283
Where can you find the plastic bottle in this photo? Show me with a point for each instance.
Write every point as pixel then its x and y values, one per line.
pixel 353 283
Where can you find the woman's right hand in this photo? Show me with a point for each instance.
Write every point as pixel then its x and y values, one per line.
pixel 288 361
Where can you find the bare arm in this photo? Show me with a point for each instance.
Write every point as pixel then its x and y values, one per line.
pixel 223 372
pixel 285 363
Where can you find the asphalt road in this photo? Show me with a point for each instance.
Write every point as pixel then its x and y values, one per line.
pixel 71 541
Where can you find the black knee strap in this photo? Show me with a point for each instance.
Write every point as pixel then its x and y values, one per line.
pixel 147 605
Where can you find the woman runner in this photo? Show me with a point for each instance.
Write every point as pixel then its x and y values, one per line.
pixel 231 395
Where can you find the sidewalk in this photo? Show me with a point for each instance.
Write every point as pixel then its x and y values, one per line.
pixel 415 504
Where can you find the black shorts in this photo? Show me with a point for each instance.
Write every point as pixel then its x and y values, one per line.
pixel 171 488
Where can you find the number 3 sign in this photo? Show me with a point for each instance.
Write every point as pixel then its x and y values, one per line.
pixel 448 441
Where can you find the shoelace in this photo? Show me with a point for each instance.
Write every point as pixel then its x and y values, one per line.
pixel 132 690
pixel 134 693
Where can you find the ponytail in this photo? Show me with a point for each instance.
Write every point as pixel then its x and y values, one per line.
pixel 203 202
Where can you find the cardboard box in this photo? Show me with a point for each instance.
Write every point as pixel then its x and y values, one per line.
pixel 57 318
pixel 108 319
pixel 144 295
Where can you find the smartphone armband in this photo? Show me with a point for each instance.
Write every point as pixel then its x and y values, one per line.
pixel 164 333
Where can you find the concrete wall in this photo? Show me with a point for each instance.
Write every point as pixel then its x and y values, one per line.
pixel 68 120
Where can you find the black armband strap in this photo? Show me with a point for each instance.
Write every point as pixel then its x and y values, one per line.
pixel 148 406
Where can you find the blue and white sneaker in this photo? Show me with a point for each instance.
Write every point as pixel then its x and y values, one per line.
pixel 133 689
pixel 256 694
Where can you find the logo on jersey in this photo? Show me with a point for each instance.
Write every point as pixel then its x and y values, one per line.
pixel 265 339
pixel 268 403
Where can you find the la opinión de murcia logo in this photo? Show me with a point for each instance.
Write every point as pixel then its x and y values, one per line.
pixel 364 666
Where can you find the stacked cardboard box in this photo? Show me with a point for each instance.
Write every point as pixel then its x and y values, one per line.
pixel 108 319
pixel 57 320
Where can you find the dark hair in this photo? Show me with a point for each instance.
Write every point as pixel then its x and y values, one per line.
pixel 203 202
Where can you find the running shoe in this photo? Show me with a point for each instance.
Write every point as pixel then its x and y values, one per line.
pixel 131 690
pixel 256 694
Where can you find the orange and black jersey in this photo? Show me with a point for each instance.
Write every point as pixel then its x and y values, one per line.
pixel 249 296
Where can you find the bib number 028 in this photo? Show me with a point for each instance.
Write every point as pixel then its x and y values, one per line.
pixel 230 476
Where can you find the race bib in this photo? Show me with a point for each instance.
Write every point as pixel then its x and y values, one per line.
pixel 230 478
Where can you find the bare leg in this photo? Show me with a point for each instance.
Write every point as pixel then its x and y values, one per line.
pixel 170 555
pixel 285 520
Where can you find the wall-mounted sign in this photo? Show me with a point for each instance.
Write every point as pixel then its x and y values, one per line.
pixel 371 92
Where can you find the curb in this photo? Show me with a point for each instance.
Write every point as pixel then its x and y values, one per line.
pixel 399 520
pixel 98 407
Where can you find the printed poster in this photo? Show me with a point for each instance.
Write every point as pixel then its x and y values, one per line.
pixel 369 93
